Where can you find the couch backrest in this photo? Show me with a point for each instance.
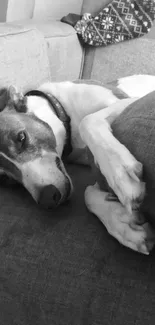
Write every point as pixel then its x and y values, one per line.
pixel 12 10
pixel 93 6
pixel 56 9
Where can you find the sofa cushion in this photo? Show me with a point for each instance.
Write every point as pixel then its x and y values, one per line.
pixel 23 57
pixel 64 50
pixel 119 60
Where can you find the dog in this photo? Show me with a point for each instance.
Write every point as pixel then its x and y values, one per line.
pixel 61 120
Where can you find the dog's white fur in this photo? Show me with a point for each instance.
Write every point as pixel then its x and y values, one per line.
pixel 92 109
pixel 116 163
pixel 39 106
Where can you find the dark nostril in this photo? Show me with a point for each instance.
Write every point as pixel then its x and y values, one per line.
pixel 49 197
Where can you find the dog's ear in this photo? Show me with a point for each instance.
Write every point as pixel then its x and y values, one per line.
pixel 17 99
pixel 13 99
pixel 3 98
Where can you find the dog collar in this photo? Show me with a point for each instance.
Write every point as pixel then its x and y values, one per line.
pixel 60 113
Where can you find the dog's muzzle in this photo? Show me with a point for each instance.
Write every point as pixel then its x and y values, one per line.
pixel 50 196
pixel 49 185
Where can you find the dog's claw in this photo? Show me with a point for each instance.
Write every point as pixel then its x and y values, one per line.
pixel 111 197
pixel 133 175
pixel 135 171
pixel 143 249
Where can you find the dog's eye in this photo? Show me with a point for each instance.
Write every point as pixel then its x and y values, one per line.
pixel 21 137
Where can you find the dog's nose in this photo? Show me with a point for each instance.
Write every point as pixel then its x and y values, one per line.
pixel 49 197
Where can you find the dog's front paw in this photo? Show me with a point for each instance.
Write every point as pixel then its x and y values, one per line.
pixel 121 170
pixel 123 173
pixel 131 230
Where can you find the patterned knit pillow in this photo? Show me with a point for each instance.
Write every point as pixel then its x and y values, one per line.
pixel 119 21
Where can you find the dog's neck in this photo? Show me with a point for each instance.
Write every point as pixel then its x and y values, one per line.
pixel 77 100
pixel 40 107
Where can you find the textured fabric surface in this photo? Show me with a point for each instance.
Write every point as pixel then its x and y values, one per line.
pixel 133 57
pixel 135 128
pixel 23 57
pixel 61 267
pixel 63 47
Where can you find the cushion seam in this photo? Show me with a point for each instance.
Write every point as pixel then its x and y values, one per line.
pixel 19 32
pixel 58 36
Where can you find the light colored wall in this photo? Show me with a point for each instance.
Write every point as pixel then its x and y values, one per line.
pixel 3 10
pixel 41 9
pixel 19 9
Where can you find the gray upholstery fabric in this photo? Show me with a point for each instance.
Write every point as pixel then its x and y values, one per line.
pixel 135 128
pixel 115 61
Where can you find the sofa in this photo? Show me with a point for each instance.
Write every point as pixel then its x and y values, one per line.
pixel 61 267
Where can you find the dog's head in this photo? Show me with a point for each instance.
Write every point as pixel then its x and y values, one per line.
pixel 28 152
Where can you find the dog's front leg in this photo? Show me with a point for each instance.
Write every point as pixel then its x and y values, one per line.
pixel 123 173
pixel 131 230
pixel 117 164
